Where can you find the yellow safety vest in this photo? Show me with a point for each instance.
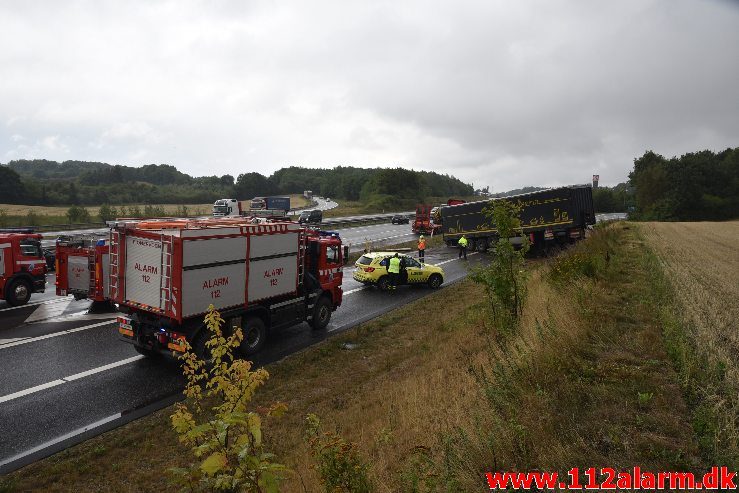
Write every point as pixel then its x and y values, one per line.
pixel 463 242
pixel 394 265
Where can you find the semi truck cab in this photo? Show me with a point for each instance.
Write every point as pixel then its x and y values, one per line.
pixel 226 208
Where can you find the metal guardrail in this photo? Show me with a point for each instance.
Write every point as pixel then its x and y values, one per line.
pixel 370 218
pixel 329 222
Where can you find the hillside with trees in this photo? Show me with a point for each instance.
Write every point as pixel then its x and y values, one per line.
pixel 43 182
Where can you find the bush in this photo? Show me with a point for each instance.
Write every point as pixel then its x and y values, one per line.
pixel 338 462
pixel 107 213
pixel 78 214
pixel 505 278
pixel 226 439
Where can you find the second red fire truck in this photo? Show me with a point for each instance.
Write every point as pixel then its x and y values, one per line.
pixel 165 274
pixel 82 267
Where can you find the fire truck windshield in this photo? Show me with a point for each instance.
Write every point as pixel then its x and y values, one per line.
pixel 31 248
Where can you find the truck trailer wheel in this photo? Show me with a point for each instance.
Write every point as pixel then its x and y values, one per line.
pixel 255 334
pixel 19 293
pixel 321 313
pixel 482 245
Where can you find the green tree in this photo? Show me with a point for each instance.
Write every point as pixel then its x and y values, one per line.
pixel 12 189
pixel 504 278
pixel 226 438
pixel 250 185
pixel 107 213
pixel 78 214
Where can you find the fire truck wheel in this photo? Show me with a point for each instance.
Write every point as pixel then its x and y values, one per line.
pixel 383 283
pixel 255 334
pixel 19 293
pixel 79 296
pixel 435 281
pixel 321 313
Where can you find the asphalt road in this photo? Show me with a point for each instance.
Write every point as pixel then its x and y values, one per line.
pixel 67 376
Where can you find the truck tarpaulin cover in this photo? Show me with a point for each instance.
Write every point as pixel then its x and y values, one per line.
pixel 565 206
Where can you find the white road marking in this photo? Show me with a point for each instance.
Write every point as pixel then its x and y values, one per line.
pixel 8 341
pixel 68 379
pixel 49 302
pixel 355 290
pixel 99 369
pixel 49 310
pixel 71 434
pixel 55 334
pixel 32 390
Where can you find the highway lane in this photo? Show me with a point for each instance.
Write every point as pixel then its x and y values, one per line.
pixel 59 384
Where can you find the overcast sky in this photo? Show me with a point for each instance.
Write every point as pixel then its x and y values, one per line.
pixel 499 93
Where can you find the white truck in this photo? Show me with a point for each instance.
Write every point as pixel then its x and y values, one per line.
pixel 165 273
pixel 232 208
pixel 226 208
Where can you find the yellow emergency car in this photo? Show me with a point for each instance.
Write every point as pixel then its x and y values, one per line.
pixel 371 268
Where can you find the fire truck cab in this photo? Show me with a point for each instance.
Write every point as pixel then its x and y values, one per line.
pixel 22 266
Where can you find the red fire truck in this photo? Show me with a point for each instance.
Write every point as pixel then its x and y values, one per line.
pixel 22 266
pixel 424 222
pixel 165 274
pixel 82 267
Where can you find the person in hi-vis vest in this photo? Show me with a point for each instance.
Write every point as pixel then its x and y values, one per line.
pixel 462 247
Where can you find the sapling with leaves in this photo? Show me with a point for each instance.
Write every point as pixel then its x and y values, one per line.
pixel 217 422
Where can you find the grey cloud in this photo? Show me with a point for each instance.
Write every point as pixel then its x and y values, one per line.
pixel 500 93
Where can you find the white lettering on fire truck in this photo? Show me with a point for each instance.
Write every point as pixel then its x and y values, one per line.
pixel 147 243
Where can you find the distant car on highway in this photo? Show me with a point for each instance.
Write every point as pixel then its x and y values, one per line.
pixel 371 269
pixel 310 217
pixel 400 219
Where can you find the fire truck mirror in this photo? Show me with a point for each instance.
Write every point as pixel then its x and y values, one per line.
pixel 346 254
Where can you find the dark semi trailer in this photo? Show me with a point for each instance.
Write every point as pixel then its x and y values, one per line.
pixel 549 218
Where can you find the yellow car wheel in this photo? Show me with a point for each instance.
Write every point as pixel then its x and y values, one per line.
pixel 435 281
pixel 383 283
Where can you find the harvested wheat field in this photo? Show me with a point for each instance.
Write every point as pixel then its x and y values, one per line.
pixel 701 262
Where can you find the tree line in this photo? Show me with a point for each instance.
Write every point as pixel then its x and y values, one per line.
pixel 696 186
pixel 44 182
